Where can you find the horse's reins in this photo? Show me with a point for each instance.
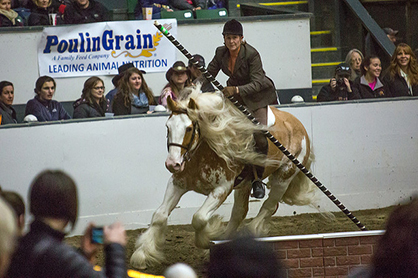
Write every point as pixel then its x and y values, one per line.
pixel 188 154
pixel 247 113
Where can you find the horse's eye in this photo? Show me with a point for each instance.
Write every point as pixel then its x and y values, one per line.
pixel 188 129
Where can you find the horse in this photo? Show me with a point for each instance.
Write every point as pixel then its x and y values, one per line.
pixel 209 142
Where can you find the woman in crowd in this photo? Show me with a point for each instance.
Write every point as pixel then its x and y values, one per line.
pixel 133 96
pixel 41 14
pixel 369 84
pixel 178 77
pixel 42 106
pixel 248 84
pixel 8 17
pixel 17 204
pixel 401 78
pixel 92 102
pixel 42 252
pixel 8 114
pixel 354 58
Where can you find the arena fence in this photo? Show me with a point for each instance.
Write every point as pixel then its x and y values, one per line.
pixel 324 255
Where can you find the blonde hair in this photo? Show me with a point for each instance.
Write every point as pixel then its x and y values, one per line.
pixel 348 60
pixel 226 130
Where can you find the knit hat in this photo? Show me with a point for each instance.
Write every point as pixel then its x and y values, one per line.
pixel 178 66
pixel 233 27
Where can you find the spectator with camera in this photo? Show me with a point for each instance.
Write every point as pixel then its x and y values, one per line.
pixel 42 252
pixel 369 84
pixel 340 87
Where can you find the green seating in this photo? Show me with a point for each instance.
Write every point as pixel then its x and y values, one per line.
pixel 179 15
pixel 215 13
pixel 131 7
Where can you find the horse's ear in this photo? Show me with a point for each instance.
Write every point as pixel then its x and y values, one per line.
pixel 171 105
pixel 192 104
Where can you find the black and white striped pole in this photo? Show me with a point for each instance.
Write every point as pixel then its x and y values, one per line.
pixel 248 114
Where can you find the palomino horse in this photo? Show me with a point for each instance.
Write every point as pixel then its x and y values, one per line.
pixel 209 141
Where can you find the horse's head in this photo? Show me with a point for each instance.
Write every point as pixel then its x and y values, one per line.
pixel 182 136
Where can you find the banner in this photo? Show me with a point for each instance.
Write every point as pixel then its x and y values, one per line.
pixel 100 48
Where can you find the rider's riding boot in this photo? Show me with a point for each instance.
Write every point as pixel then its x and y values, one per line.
pixel 261 146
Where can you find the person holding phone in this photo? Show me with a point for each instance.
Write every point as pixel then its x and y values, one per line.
pixel 42 252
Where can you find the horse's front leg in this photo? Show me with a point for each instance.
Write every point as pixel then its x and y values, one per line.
pixel 205 227
pixel 239 210
pixel 150 244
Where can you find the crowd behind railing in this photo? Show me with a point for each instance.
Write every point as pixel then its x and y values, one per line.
pixel 59 12
pixel 130 95
pixel 374 75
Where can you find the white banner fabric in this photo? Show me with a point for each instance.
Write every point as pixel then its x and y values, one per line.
pixel 100 48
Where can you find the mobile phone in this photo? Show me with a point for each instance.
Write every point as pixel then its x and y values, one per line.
pixel 97 235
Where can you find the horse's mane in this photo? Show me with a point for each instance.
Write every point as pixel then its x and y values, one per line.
pixel 226 130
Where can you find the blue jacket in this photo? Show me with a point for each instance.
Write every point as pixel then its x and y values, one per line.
pixel 46 111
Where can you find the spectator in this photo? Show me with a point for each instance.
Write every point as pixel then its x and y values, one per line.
pixel 371 47
pixel 85 11
pixel 8 17
pixel 92 102
pixel 53 201
pixel 7 112
pixel 354 58
pixel 369 84
pixel 340 87
pixel 115 80
pixel 8 236
pixel 18 205
pixel 157 6
pixel 178 77
pixel 197 75
pixel 396 252
pixel 42 13
pixel 244 258
pixel 250 86
pixel 42 106
pixel 133 96
pixel 187 4
pixel 401 78
pixel 179 270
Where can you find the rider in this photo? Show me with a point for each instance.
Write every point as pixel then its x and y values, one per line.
pixel 249 85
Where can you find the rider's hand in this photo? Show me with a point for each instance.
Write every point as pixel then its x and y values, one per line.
pixel 230 91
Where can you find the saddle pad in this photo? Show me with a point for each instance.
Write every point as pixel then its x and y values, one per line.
pixel 271 119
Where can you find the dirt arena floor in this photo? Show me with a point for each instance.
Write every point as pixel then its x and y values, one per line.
pixel 180 239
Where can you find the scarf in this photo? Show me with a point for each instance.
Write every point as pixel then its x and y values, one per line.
pixel 10 14
pixel 405 76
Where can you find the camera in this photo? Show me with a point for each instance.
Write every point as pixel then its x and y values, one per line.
pixel 97 235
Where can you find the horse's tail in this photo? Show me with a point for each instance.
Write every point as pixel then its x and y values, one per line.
pixel 301 191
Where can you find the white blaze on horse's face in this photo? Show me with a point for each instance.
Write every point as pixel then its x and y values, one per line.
pixel 179 135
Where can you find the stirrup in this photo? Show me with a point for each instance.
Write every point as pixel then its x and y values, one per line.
pixel 258 189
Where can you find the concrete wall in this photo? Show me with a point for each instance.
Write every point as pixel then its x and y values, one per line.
pixel 366 154
pixel 286 57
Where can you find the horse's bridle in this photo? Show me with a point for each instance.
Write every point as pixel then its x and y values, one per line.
pixel 187 154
